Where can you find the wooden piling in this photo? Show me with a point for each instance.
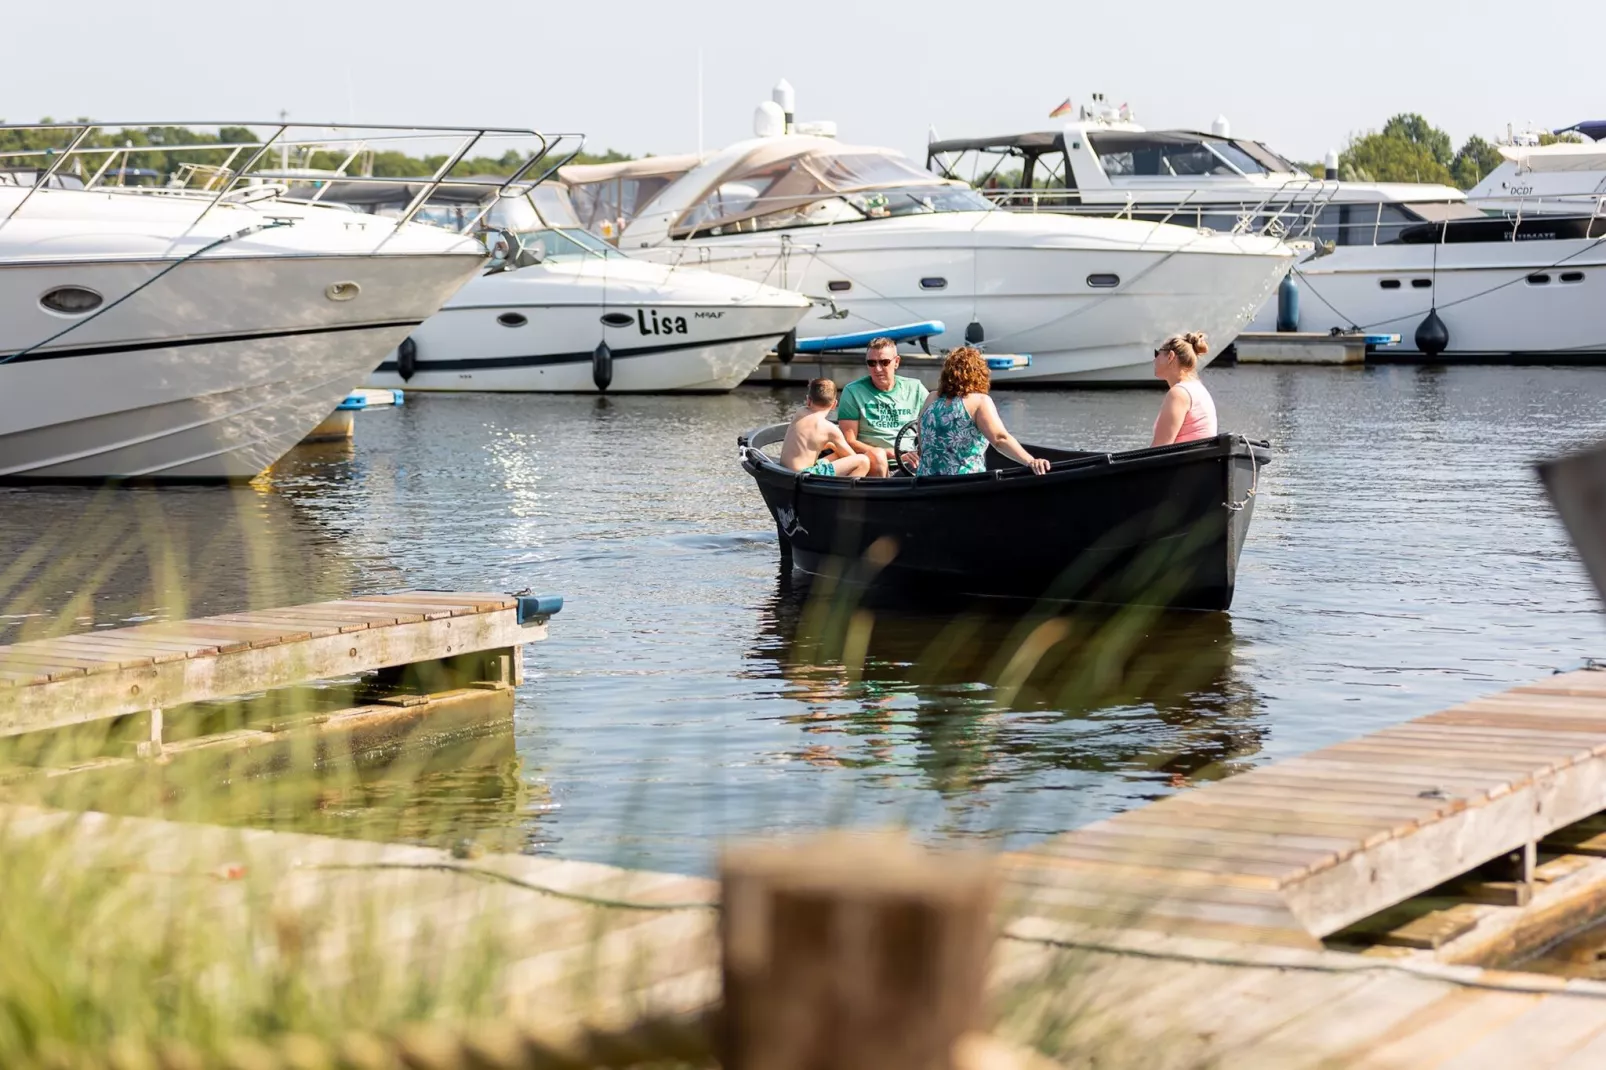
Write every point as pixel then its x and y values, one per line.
pixel 852 952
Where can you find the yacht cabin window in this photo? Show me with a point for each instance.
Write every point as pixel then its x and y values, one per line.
pixel 1161 155
pixel 818 188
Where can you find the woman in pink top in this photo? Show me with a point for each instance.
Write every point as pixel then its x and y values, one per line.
pixel 1187 413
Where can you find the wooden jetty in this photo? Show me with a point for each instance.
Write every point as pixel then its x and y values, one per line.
pixel 1300 850
pixel 434 640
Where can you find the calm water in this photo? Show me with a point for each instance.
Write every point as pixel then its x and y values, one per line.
pixel 1401 559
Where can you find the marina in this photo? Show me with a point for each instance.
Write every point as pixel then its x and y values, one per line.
pixel 1104 595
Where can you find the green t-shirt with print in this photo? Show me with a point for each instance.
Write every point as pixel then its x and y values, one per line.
pixel 880 412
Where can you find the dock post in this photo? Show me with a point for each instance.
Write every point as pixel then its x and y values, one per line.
pixel 852 952
pixel 151 746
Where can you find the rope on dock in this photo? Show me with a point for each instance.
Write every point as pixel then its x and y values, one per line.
pixel 507 878
pixel 1472 977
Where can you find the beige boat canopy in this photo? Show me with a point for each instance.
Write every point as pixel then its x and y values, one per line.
pixel 607 196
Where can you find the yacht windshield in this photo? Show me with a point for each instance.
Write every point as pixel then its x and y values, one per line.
pixel 767 192
pixel 1172 155
pixel 567 244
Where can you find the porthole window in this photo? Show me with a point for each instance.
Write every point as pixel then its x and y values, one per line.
pixel 839 286
pixel 1389 284
pixel 933 282
pixel 1539 279
pixel 1103 280
pixel 1572 276
pixel 71 300
pixel 1421 284
pixel 617 319
pixel 512 319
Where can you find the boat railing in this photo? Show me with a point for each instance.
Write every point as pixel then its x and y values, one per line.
pixel 1285 211
pixel 211 163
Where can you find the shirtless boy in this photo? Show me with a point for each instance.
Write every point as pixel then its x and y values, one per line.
pixel 811 432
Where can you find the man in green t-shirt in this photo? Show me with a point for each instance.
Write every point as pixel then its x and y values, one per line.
pixel 871 409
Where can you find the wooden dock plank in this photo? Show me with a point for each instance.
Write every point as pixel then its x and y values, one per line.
pixel 1175 850
pixel 299 627
pixel 409 610
pixel 1257 819
pixel 127 649
pixel 1545 1035
pixel 480 601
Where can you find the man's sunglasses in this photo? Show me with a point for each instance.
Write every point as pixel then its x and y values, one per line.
pixel 885 362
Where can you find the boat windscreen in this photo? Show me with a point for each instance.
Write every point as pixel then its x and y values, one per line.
pixel 1123 154
pixel 567 244
pixel 1268 159
pixel 817 188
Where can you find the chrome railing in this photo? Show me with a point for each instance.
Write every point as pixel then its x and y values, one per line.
pixel 208 173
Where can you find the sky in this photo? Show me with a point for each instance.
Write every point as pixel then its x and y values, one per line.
pixel 1301 77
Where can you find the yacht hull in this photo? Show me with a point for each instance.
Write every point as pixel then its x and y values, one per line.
pixel 209 374
pixel 705 348
pixel 1489 295
pixel 1027 297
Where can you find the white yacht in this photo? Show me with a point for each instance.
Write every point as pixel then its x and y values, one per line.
pixel 876 243
pixel 192 333
pixel 1560 178
pixel 1389 258
pixel 565 312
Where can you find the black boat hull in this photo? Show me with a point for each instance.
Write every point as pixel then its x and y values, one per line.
pixel 1160 527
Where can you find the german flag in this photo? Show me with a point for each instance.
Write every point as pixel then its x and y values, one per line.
pixel 1063 109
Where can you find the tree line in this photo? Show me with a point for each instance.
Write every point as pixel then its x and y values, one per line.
pixel 165 149
pixel 1411 149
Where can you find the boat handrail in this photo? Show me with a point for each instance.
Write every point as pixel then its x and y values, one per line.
pixel 90 151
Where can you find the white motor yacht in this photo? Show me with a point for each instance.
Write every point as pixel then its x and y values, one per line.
pixel 565 312
pixel 1500 283
pixel 193 333
pixel 1561 178
pixel 878 243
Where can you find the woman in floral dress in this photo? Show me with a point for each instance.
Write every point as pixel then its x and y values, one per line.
pixel 959 420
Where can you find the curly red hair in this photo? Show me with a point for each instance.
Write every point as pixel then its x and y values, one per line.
pixel 964 372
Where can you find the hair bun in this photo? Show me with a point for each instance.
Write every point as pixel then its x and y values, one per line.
pixel 1196 339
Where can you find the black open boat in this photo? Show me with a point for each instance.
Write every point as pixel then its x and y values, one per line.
pixel 1160 526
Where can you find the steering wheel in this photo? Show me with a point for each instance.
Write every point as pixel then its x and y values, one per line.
pixel 907 440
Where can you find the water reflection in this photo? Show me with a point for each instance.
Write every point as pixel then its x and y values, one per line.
pixel 81 557
pixel 975 694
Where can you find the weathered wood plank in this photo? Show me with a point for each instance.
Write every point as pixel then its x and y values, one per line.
pixel 1259 819
pixel 482 602
pixel 1114 826
pixel 118 638
pixel 1543 1036
pixel 1083 849
pixel 1383 785
pixel 1173 849
pixel 297 626
pixel 421 610
pixel 1330 797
